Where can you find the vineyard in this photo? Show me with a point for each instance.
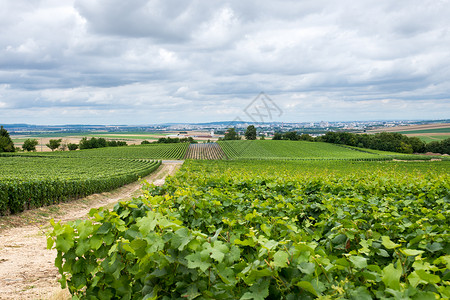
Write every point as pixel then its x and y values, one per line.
pixel 237 229
pixel 290 150
pixel 151 151
pixel 29 182
pixel 205 151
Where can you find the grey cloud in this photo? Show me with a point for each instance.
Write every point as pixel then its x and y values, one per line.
pixel 178 58
pixel 168 20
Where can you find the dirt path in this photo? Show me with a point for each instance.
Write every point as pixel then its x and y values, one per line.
pixel 27 268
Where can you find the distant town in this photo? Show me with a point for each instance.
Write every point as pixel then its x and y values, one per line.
pixel 219 128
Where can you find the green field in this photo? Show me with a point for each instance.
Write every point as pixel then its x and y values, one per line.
pixel 35 179
pixel 433 138
pixel 276 220
pixel 29 182
pixel 151 151
pixel 262 229
pixel 294 150
pixel 435 130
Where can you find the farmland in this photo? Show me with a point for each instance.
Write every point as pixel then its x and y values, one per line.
pixel 271 229
pixel 205 151
pixel 427 133
pixel 30 182
pixel 271 219
pixel 131 137
pixel 151 151
pixel 292 150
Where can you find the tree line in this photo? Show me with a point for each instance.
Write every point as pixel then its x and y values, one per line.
pixel 385 141
pixel 7 145
pixel 169 140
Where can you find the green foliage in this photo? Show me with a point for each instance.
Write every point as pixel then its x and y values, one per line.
pixel 231 134
pixel 293 136
pixel 72 147
pixel 30 145
pixel 268 230
pixel 439 147
pixel 170 140
pixel 250 133
pixel 54 144
pixel 385 141
pixel 94 143
pixel 6 144
pixel 277 136
pixel 29 182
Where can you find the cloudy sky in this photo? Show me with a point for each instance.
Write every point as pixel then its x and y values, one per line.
pixel 156 61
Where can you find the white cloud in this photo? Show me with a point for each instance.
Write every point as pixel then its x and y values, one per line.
pixel 120 61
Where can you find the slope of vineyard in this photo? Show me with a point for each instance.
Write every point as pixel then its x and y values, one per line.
pixel 150 151
pixel 290 149
pixel 236 229
pixel 205 151
pixel 28 182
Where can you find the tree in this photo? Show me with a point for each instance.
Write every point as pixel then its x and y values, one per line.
pixel 72 147
pixel 277 136
pixel 30 145
pixel 6 144
pixel 417 144
pixel 306 137
pixel 250 133
pixel 231 134
pixel 54 144
pixel 101 142
pixel 291 135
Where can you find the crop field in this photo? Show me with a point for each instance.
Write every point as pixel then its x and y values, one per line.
pixel 151 151
pixel 261 229
pixel 291 150
pixel 205 151
pixel 28 182
pixel 424 131
pixel 427 133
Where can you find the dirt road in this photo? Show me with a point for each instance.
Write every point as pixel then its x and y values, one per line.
pixel 27 268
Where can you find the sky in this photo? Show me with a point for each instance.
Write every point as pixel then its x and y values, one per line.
pixel 167 61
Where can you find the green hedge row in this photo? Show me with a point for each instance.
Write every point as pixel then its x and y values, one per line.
pixel 18 195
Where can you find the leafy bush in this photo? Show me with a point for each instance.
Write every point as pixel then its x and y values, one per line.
pixel 254 230
pixel 6 144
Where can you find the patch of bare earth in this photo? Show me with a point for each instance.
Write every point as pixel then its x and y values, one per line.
pixel 411 128
pixel 27 268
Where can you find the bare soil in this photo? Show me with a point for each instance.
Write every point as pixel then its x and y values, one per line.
pixel 27 268
pixel 411 127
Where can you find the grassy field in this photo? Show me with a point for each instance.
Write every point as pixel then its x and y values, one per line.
pixel 432 138
pixel 294 150
pixel 427 133
pixel 424 131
